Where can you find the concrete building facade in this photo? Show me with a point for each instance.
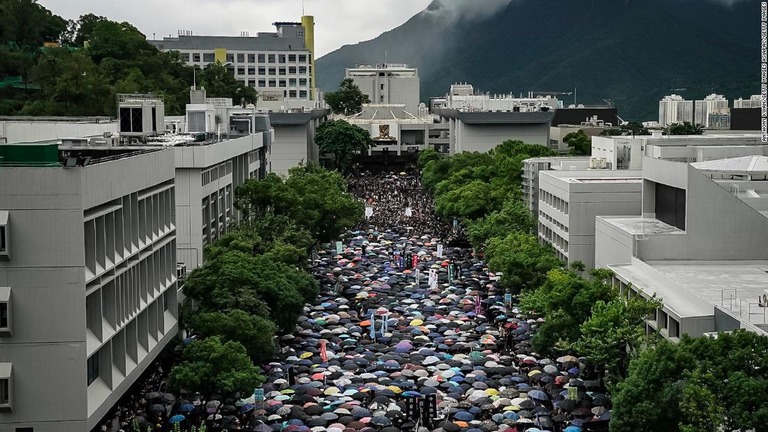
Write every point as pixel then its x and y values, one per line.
pixel 294 139
pixel 388 84
pixel 569 202
pixel 32 129
pixel 711 107
pixel 87 280
pixel 698 244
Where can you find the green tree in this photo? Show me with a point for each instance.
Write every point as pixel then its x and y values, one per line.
pixel 522 259
pixel 27 24
pixel 579 142
pixel 253 283
pixel 348 99
pixel 210 366
pixel 513 216
pixel 614 332
pixel 685 128
pixel 255 333
pixel 342 140
pixel 428 155
pixel 627 129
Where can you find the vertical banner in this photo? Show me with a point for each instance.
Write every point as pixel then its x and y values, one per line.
pixel 508 299
pixel 417 275
pixel 368 211
pixel 373 326
pixel 440 251
pixel 324 350
pixel 408 212
pixel 338 248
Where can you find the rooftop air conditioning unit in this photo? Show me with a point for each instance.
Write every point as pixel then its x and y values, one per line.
pixel 603 163
pixel 593 163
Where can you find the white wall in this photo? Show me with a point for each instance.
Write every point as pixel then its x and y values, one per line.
pixel 289 148
pixel 31 131
pixel 484 137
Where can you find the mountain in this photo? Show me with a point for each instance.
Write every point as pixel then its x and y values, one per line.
pixel 632 52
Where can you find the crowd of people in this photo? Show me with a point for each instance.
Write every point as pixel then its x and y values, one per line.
pixel 407 334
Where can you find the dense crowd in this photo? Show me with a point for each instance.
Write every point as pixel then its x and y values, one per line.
pixel 407 334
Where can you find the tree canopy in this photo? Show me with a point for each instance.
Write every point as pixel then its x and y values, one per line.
pixel 348 99
pixel 698 384
pixel 211 366
pixel 254 333
pixel 685 128
pixel 579 143
pixel 342 140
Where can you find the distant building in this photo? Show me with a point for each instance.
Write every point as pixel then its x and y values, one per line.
pixel 712 104
pixel 674 109
pixel 463 97
pixel 88 281
pixel 15 129
pixel 754 101
pixel 388 84
pixel 746 119
pixel 280 65
pixel 532 167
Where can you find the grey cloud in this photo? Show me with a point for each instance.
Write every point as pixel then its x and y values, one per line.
pixel 466 9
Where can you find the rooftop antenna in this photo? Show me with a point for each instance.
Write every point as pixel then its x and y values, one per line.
pixel 302 7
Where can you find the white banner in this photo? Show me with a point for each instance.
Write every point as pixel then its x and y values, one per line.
pixel 439 251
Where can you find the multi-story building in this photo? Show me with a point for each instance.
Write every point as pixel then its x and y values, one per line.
pixel 388 84
pixel 674 109
pixel 712 104
pixel 569 202
pixel 755 101
pixel 532 167
pixel 88 289
pixel 280 65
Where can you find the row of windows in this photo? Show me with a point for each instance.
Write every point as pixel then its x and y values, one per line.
pixel 212 174
pixel 292 82
pixel 120 299
pixel 282 71
pixel 217 214
pixel 132 343
pixel 552 220
pixel 122 227
pixel 553 201
pixel 551 237
pixel 210 57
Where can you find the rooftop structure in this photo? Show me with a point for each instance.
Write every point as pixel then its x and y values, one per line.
pixel 463 97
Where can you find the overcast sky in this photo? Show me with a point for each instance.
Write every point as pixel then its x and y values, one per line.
pixel 337 22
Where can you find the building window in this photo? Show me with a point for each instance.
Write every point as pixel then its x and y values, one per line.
pixel 291 58
pixel 93 368
pixel 3 240
pixel 382 86
pixel 281 58
pixel 271 58
pixel 273 83
pixel 5 392
pixel 302 82
pixel 302 58
pixel 262 71
pixel 302 70
pixel 292 94
pixel 251 70
pixel 196 57
pixel 282 83
pixel 252 83
pixel 272 71
pixel 262 83
pixel 262 58
pixel 241 58
pixel 230 58
pixel 292 70
pixel 282 71
pixel 209 57
pixel 5 311
pixel 241 70
pixel 303 94
pixel 4 317
pixel 292 82
pixel 251 58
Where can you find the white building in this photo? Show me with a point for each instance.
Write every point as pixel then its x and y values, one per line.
pixel 463 97
pixel 755 101
pixel 294 139
pixel 31 129
pixel 280 65
pixel 700 244
pixel 674 109
pixel 532 167
pixel 87 280
pixel 712 104
pixel 569 202
pixel 388 84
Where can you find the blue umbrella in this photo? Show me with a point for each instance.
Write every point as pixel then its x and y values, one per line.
pixel 186 408
pixel 572 429
pixel 178 418
pixel 464 416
